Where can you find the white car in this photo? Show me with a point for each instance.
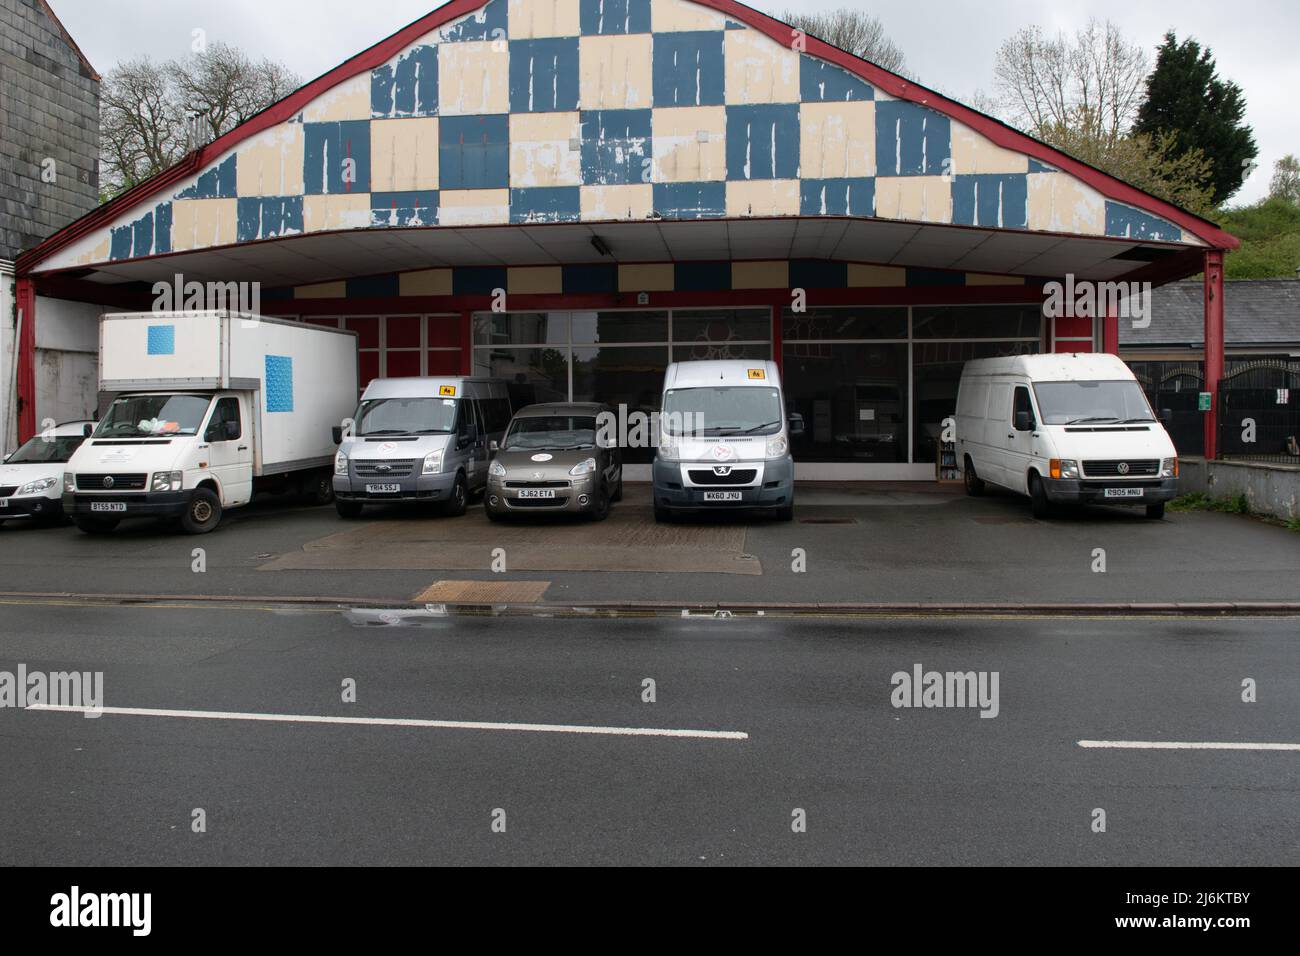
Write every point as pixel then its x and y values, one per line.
pixel 31 479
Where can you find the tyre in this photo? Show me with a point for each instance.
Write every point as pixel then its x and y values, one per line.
pixel 974 484
pixel 456 504
pixel 601 510
pixel 1156 512
pixel 320 488
pixel 618 490
pixel 348 509
pixel 1038 503
pixel 663 515
pixel 786 513
pixel 97 525
pixel 203 513
pixel 492 515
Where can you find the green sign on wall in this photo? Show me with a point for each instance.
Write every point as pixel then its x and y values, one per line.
pixel 1203 402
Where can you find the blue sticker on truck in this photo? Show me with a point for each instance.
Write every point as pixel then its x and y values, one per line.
pixel 162 340
pixel 279 383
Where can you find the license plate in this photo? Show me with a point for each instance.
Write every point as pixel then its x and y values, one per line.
pixel 536 492
pixel 723 496
pixel 383 489
pixel 1123 492
pixel 108 506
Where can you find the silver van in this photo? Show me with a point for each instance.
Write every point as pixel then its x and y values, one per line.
pixel 419 440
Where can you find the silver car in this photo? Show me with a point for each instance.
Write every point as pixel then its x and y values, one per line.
pixel 553 460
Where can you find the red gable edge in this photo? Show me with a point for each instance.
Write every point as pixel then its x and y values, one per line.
pixel 893 84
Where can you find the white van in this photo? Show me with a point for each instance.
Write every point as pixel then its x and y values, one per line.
pixel 1073 428
pixel 419 440
pixel 724 440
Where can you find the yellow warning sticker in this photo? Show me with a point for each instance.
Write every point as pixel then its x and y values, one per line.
pixel 757 373
pixel 448 390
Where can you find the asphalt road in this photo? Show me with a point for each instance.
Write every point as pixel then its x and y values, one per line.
pixel 877 547
pixel 879 785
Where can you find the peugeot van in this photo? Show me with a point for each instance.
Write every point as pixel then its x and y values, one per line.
pixel 1063 429
pixel 724 440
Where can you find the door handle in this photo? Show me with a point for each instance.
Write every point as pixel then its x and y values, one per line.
pixel 242 448
pixel 1011 434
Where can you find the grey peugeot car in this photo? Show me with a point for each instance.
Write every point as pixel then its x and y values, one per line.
pixel 553 459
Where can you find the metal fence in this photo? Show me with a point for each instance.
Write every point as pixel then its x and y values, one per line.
pixel 1173 389
pixel 1259 412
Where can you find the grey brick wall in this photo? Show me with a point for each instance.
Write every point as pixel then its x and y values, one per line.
pixel 49 109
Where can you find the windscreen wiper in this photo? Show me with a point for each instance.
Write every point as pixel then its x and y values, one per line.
pixel 1103 418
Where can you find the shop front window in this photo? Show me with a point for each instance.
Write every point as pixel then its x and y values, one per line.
pixel 853 399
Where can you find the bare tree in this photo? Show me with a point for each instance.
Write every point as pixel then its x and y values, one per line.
pixel 853 31
pixel 152 114
pixel 1096 77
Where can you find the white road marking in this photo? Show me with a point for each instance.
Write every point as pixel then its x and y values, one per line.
pixel 403 722
pixel 1180 745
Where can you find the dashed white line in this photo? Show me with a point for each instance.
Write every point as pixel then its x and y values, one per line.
pixel 1181 745
pixel 402 722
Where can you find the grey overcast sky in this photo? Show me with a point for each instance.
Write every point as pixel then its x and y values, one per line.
pixel 950 44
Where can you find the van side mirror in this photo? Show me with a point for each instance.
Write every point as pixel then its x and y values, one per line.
pixel 493 446
pixel 1166 417
pixel 1024 421
pixel 795 425
pixel 337 433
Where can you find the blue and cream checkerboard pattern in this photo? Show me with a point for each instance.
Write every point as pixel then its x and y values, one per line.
pixel 532 111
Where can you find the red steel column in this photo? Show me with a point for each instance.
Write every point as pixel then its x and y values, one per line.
pixel 1213 346
pixel 25 387
pixel 1110 332
pixel 466 342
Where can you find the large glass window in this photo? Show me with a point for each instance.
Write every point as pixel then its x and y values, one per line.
pixel 610 328
pixel 704 334
pixel 534 375
pixel 621 375
pixel 977 322
pixel 844 324
pixel 853 399
pixel 936 373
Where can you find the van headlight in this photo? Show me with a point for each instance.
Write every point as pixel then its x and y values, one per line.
pixel 432 463
pixel 1169 468
pixel 69 482
pixel 1064 468
pixel 669 450
pixel 340 463
pixel 777 446
pixel 583 468
pixel 34 487
pixel 167 481
pixel 497 469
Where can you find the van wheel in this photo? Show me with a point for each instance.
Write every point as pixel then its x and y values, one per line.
pixel 347 509
pixel 1038 503
pixel 1156 512
pixel 974 484
pixel 492 515
pixel 786 513
pixel 618 490
pixel 320 488
pixel 97 525
pixel 203 513
pixel 663 515
pixel 459 500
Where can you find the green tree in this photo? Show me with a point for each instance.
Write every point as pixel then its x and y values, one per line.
pixel 1286 180
pixel 1270 240
pixel 1186 98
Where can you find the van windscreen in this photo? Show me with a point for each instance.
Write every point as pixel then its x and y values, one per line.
pixel 1077 403
pixel 406 416
pixel 724 410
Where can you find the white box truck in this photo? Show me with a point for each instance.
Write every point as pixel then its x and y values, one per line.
pixel 208 408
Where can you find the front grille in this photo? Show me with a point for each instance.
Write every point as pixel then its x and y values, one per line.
pixel 537 502
pixel 738 476
pixel 119 483
pixel 8 490
pixel 537 484
pixel 383 469
pixel 1144 468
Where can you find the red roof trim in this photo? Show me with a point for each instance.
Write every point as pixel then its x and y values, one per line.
pixel 782 33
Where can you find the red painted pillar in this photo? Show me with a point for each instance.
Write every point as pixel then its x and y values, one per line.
pixel 1110 332
pixel 25 387
pixel 467 342
pixel 1213 346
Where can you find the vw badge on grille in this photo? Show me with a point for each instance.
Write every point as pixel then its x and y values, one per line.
pixel 108 481
pixel 1123 468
